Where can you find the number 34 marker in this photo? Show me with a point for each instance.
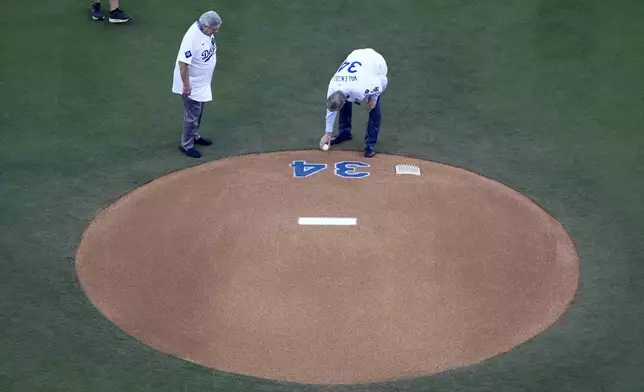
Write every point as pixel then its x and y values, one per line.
pixel 345 169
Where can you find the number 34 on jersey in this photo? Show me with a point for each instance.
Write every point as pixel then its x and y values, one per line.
pixel 345 169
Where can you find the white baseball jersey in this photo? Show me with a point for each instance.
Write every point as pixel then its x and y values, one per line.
pixel 363 74
pixel 199 51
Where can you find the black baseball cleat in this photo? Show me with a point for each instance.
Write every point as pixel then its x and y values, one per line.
pixel 342 137
pixel 191 152
pixel 202 141
pixel 119 16
pixel 369 151
pixel 96 12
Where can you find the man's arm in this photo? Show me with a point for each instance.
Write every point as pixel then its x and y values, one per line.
pixel 373 94
pixel 185 78
pixel 330 120
pixel 373 100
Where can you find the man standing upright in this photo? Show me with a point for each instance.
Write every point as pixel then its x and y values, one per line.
pixel 193 73
pixel 361 79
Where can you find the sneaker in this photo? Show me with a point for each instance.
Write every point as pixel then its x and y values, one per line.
pixel 342 137
pixel 369 151
pixel 119 16
pixel 191 152
pixel 96 12
pixel 202 141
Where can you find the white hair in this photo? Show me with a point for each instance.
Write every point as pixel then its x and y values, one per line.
pixel 336 101
pixel 210 19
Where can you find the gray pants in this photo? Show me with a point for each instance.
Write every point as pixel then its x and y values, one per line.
pixel 192 113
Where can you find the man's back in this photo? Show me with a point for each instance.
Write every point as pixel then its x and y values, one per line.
pixel 360 74
pixel 364 61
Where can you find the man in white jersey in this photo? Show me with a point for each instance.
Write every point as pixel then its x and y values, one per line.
pixel 361 79
pixel 193 72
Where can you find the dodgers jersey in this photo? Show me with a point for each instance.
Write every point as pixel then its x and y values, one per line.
pixel 199 51
pixel 363 74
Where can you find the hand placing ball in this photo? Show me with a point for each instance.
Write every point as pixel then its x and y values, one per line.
pixel 325 141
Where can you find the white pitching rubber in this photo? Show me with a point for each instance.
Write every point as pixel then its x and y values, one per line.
pixel 327 221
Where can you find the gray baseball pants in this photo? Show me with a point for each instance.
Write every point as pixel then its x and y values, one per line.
pixel 192 113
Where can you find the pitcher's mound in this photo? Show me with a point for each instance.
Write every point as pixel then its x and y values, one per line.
pixel 418 273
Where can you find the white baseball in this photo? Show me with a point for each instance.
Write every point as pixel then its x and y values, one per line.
pixel 325 147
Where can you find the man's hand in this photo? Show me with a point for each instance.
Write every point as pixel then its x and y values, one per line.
pixel 326 139
pixel 371 104
pixel 187 89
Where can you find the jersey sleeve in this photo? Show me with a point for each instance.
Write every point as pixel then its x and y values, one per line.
pixel 330 116
pixel 373 88
pixel 186 50
pixel 330 120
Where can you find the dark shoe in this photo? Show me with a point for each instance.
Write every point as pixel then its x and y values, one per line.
pixel 96 12
pixel 342 137
pixel 202 141
pixel 191 152
pixel 369 151
pixel 119 16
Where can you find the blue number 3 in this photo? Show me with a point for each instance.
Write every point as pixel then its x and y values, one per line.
pixel 347 169
pixel 352 66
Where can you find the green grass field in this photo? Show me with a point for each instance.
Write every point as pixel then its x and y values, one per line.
pixel 546 96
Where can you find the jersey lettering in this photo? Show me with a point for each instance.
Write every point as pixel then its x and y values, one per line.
pixel 351 78
pixel 352 66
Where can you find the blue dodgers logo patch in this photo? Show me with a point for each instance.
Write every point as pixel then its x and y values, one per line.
pixel 188 54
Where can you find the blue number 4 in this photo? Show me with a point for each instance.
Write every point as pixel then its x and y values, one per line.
pixel 352 66
pixel 302 169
